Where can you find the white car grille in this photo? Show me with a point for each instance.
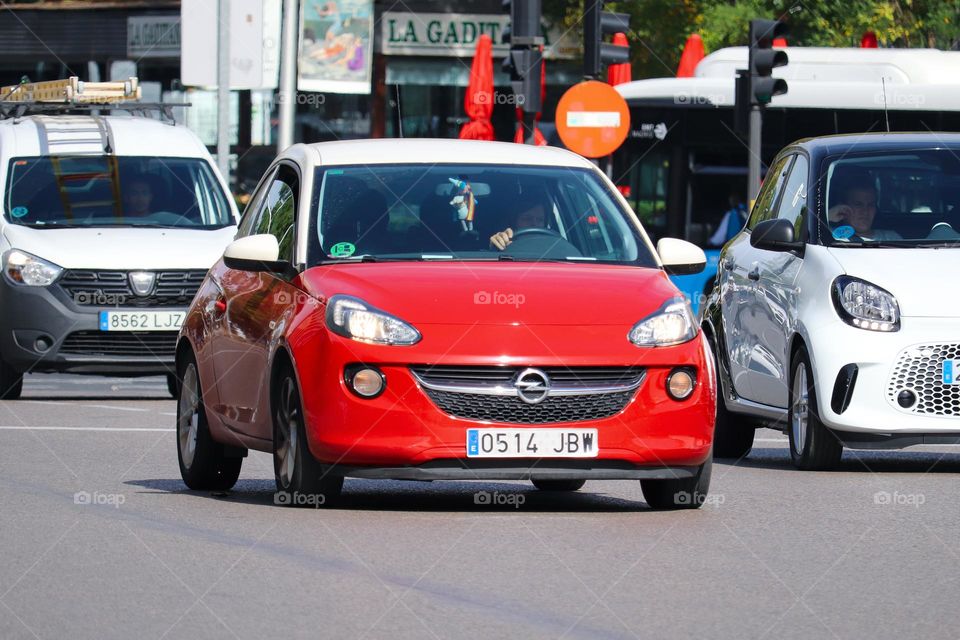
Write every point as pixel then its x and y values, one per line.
pixel 920 369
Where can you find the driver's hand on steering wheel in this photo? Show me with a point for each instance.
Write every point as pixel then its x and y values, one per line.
pixel 501 239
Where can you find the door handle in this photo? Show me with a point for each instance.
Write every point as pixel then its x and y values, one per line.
pixel 755 274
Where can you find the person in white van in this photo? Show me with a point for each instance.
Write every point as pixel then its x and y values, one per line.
pixel 109 225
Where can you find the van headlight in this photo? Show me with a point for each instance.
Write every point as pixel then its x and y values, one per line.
pixel 23 268
pixel 865 305
pixel 353 318
pixel 671 324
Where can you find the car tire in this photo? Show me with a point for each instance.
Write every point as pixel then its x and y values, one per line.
pixel 558 485
pixel 11 382
pixel 172 383
pixel 679 493
pixel 204 465
pixel 301 479
pixel 813 447
pixel 732 434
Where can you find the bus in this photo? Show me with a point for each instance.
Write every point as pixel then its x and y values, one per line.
pixel 683 161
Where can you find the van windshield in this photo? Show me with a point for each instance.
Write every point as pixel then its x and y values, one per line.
pixel 109 191
pixel 458 212
pixel 893 198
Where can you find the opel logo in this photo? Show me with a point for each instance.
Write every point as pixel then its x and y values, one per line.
pixel 533 386
pixel 142 282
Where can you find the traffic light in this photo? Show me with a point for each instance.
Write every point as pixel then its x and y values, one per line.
pixel 525 59
pixel 764 59
pixel 597 24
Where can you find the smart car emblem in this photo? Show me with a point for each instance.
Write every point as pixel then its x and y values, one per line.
pixel 142 282
pixel 533 386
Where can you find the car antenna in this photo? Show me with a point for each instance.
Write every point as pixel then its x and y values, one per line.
pixel 399 112
pixel 886 115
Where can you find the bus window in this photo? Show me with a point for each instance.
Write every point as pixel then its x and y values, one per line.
pixel 647 179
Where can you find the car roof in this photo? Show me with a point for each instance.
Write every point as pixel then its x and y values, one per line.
pixel 433 151
pixel 128 136
pixel 867 142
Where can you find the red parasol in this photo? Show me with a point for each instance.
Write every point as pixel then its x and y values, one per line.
pixel 869 40
pixel 478 101
pixel 692 55
pixel 619 73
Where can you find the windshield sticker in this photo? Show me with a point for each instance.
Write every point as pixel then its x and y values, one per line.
pixel 843 233
pixel 464 203
pixel 342 250
pixel 336 172
pixel 19 212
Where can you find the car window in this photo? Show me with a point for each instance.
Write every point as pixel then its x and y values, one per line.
pixel 763 209
pixel 276 213
pixel 253 206
pixel 793 205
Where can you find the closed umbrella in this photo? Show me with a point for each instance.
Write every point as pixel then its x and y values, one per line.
pixel 619 73
pixel 692 55
pixel 478 101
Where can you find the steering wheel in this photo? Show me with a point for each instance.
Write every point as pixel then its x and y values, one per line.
pixel 545 243
pixel 535 230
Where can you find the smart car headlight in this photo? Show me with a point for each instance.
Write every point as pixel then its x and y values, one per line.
pixel 25 269
pixel 865 305
pixel 671 324
pixel 353 318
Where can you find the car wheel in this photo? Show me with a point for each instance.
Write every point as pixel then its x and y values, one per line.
pixel 558 485
pixel 11 382
pixel 732 433
pixel 681 493
pixel 812 446
pixel 301 479
pixel 204 464
pixel 172 384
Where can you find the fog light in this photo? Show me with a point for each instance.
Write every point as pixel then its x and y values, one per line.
pixel 906 398
pixel 365 381
pixel 42 344
pixel 680 384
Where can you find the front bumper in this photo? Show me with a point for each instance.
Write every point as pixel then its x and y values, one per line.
pixel 872 414
pixel 34 315
pixel 403 433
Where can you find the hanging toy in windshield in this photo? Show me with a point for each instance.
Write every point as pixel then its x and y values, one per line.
pixel 464 203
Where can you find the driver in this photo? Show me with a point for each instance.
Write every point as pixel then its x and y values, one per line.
pixel 531 215
pixel 137 197
pixel 858 208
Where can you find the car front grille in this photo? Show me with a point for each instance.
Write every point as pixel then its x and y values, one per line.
pixel 491 394
pixel 920 369
pixel 112 288
pixel 143 344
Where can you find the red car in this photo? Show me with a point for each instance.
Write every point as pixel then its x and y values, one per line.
pixel 445 310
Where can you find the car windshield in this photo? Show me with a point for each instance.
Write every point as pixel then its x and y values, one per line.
pixel 99 191
pixel 892 199
pixel 471 212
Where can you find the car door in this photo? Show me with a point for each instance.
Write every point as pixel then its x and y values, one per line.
pixel 257 306
pixel 777 293
pixel 739 274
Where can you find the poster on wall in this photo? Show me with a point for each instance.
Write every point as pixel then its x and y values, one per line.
pixel 336 46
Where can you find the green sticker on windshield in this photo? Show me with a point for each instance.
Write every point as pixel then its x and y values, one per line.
pixel 19 212
pixel 342 250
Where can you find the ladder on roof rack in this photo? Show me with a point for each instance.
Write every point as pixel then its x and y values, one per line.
pixel 72 91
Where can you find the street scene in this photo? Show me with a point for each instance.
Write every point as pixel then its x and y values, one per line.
pixel 469 319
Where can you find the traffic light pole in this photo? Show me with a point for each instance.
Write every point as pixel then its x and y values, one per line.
pixel 756 129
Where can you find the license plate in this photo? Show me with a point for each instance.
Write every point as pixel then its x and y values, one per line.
pixel 532 443
pixel 141 320
pixel 950 370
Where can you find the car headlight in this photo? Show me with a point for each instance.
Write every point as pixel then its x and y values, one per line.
pixel 865 305
pixel 25 269
pixel 671 324
pixel 353 318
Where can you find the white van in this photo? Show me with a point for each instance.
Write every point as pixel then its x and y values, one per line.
pixel 109 225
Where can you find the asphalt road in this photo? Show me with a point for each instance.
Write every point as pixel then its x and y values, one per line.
pixel 100 539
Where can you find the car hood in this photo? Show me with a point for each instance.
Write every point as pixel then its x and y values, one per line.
pixel 499 293
pixel 122 248
pixel 920 279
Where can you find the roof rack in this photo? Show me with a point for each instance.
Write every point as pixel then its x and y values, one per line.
pixel 74 95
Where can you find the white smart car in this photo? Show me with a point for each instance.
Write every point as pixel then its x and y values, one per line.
pixel 836 315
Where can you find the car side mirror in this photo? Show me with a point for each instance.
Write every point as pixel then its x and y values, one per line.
pixel 681 258
pixel 260 252
pixel 775 235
